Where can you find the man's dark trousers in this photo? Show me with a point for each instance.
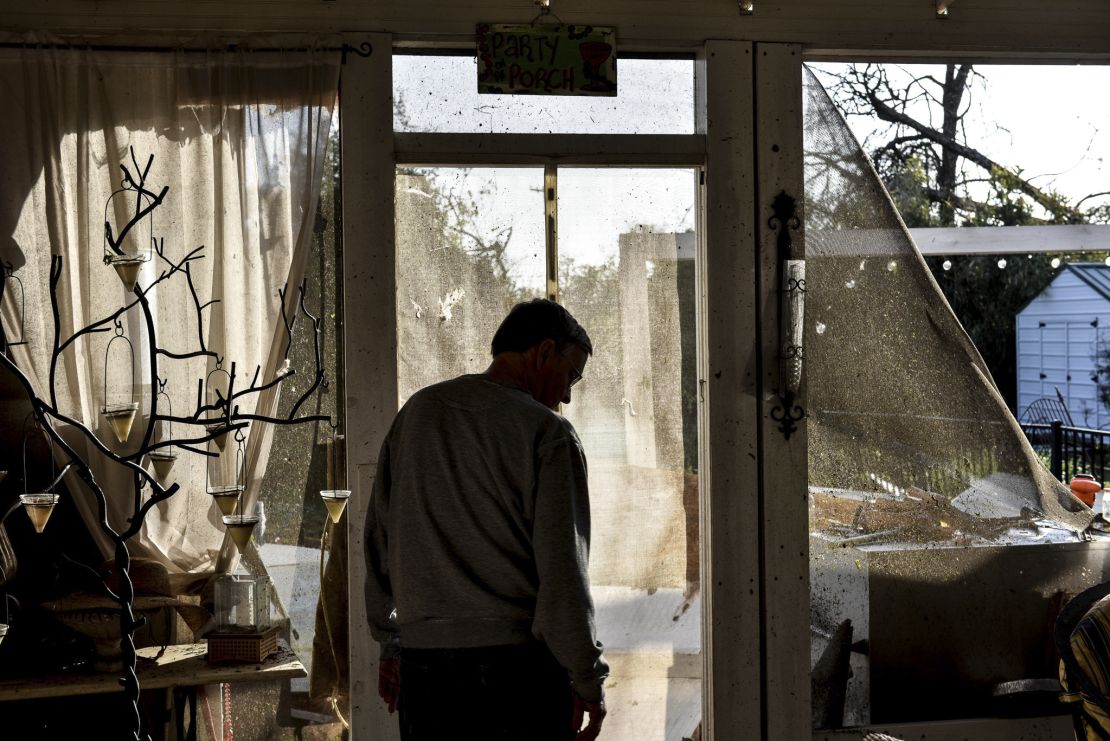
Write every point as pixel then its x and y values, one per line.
pixel 494 693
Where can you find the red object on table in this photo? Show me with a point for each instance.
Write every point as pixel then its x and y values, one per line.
pixel 1084 486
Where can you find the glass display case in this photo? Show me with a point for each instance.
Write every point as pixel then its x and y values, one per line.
pixel 243 603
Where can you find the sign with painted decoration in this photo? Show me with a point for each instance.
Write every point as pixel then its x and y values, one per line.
pixel 547 59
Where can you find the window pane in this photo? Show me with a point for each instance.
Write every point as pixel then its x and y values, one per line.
pixel 626 250
pixel 921 484
pixel 470 244
pixel 440 94
pixel 295 516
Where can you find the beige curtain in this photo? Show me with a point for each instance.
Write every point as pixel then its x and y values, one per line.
pixel 238 137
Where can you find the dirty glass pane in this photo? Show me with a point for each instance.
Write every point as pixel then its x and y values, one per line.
pixel 292 532
pixel 922 486
pixel 626 271
pixel 440 94
pixel 470 244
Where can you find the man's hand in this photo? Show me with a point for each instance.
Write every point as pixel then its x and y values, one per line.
pixel 389 682
pixel 596 711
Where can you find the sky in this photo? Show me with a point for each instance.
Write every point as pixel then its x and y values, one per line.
pixel 1059 124
pixel 1049 121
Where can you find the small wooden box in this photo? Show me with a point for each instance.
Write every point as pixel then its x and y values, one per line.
pixel 242 647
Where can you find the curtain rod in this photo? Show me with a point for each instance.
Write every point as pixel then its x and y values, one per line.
pixel 363 50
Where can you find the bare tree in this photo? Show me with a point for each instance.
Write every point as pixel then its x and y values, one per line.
pixel 926 119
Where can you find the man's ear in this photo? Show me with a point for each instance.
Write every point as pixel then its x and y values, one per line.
pixel 544 350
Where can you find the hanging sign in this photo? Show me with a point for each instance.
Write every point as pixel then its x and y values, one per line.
pixel 547 59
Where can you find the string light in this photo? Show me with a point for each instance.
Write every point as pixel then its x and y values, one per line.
pixel 1002 262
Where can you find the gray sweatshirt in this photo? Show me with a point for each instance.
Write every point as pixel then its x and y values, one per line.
pixel 479 529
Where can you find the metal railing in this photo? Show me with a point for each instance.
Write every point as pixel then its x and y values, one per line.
pixel 1071 450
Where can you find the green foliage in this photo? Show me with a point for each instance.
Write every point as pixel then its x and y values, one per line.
pixel 986 300
pixel 908 183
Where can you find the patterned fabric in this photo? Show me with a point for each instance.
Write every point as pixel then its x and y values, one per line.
pixel 1090 642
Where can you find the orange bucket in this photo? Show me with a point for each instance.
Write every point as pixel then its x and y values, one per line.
pixel 1084 487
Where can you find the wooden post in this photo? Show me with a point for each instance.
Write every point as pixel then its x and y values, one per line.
pixel 731 577
pixel 370 338
pixel 783 463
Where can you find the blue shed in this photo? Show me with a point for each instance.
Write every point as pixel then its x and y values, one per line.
pixel 1060 334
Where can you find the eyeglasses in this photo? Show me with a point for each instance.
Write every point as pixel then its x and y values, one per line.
pixel 575 374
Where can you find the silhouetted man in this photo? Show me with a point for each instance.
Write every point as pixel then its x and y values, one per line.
pixel 477 545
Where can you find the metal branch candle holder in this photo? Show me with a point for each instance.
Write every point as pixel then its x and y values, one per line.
pixel 122 250
pixel 10 285
pixel 215 424
pixel 226 496
pixel 38 505
pixel 222 414
pixel 240 526
pixel 120 414
pixel 335 499
pixel 162 459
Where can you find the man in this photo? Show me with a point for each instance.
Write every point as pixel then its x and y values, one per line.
pixel 477 545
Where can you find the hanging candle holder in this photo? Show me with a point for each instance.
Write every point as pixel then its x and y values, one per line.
pixel 214 424
pixel 133 246
pixel 239 525
pixel 14 286
pixel 120 414
pixel 227 496
pixel 335 499
pixel 162 459
pixel 38 505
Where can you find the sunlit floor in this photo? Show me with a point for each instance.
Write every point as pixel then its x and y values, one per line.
pixel 653 646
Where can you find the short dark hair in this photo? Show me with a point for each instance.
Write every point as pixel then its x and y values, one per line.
pixel 531 322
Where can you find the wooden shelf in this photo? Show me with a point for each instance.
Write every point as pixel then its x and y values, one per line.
pixel 183 665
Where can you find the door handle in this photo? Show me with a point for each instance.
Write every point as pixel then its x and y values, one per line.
pixel 792 289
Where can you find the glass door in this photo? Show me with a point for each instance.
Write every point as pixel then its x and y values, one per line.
pixel 626 251
pixel 471 242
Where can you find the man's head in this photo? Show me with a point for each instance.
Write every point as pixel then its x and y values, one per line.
pixel 550 349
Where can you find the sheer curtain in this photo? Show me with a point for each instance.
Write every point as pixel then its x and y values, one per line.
pixel 238 137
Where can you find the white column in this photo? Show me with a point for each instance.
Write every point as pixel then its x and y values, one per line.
pixel 370 337
pixel 784 472
pixel 730 475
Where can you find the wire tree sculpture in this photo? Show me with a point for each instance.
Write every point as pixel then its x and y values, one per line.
pixel 209 419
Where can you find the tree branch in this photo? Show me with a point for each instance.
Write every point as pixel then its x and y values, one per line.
pixel 1049 202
